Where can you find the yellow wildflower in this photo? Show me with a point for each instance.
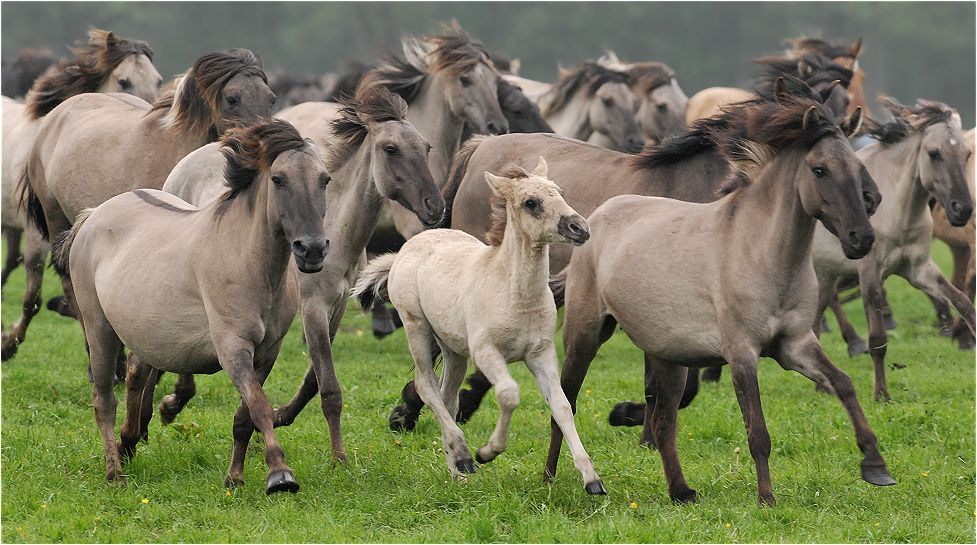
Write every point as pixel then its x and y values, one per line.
pixel 145 500
pixel 634 505
pixel 729 525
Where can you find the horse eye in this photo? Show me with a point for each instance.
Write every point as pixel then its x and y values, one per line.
pixel 662 108
pixel 125 83
pixel 232 100
pixel 277 180
pixel 532 204
pixel 608 102
pixel 465 81
pixel 819 172
pixel 390 150
pixel 324 180
pixel 935 155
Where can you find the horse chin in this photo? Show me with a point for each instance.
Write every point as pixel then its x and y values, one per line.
pixel 852 252
pixel 309 267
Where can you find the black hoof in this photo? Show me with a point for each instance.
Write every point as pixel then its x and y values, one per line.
pixel 857 347
pixel 483 459
pixel 889 322
pixel 59 305
pixel 877 475
pixel 401 419
pixel 595 488
pixel 627 413
pixel 465 466
pixel 281 481
pixel 966 343
pixel 166 416
pixel 686 496
pixel 282 418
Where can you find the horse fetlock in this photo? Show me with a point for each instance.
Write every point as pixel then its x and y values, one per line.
pixel 402 419
pixel 486 454
pixel 234 479
pixel 767 499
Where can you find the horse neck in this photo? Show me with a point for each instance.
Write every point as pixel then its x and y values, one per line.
pixel 770 222
pixel 573 119
pixel 264 243
pixel 354 207
pixel 431 115
pixel 895 170
pixel 524 263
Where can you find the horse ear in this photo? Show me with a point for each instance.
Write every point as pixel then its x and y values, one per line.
pixel 779 90
pixel 110 39
pixel 810 118
pixel 828 90
pixel 541 168
pixel 514 67
pixel 804 69
pixel 497 184
pixel 856 48
pixel 853 123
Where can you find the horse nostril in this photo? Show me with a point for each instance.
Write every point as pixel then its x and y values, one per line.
pixel 575 228
pixel 299 249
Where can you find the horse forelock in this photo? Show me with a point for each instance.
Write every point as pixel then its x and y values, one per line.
pixel 85 72
pixel 908 120
pixel 372 104
pixel 588 77
pixel 251 150
pixel 455 52
pixel 651 75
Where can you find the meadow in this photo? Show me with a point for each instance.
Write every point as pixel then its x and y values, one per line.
pixel 396 487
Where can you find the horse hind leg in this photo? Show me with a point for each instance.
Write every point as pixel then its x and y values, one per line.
pixel 140 385
pixel 35 254
pixel 470 399
pixel 11 236
pixel 856 345
pixel 743 367
pixel 104 344
pixel 404 417
pixel 670 383
pixel 453 375
pixel 490 362
pixel 171 404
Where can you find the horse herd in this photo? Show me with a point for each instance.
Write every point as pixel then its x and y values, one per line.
pixel 190 226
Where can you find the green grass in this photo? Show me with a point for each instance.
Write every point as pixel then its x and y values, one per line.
pixel 396 487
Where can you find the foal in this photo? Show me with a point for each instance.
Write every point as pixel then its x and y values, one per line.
pixel 729 281
pixel 490 303
pixel 199 290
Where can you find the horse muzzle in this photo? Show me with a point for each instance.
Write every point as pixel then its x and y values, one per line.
pixel 574 228
pixel 856 245
pixel 958 213
pixel 310 253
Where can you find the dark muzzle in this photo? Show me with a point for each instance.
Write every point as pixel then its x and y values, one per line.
pixel 574 228
pixel 310 252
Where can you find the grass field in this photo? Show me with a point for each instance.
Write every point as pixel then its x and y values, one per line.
pixel 396 487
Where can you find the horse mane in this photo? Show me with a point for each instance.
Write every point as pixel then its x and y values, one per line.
pixel 819 70
pixel 194 103
pixel 651 75
pixel 251 150
pixel 496 231
pixel 372 104
pixel 27 66
pixel 907 120
pixel 805 44
pixel 589 76
pixel 452 52
pixel 85 73
pixel 748 134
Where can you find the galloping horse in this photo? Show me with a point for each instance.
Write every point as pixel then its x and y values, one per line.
pixel 921 154
pixel 95 146
pixel 374 154
pixel 728 281
pixel 487 302
pixel 193 290
pixel 108 64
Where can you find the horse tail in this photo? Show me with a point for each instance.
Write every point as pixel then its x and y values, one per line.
pixel 459 166
pixel 371 286
pixel 558 285
pixel 29 202
pixel 61 249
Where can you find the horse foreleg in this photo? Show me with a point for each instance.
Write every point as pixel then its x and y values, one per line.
pixel 870 278
pixel 11 236
pixel 316 325
pixel 743 367
pixel 928 278
pixel 35 253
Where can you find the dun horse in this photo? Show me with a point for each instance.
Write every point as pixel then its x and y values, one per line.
pixel 108 64
pixel 95 146
pixel 374 154
pixel 661 101
pixel 144 258
pixel 487 302
pixel 920 155
pixel 729 281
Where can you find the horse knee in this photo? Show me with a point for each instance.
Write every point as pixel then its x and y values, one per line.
pixel 507 394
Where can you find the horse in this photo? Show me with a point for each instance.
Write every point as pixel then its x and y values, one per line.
pixel 589 176
pixel 727 281
pixel 961 244
pixel 488 302
pixel 144 257
pixel 593 101
pixel 19 74
pixel 845 55
pixel 95 146
pixel 662 103
pixel 295 88
pixel 103 66
pixel 374 154
pixel 920 154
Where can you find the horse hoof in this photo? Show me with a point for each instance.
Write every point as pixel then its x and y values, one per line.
pixel 281 481
pixel 468 403
pixel 857 347
pixel 595 488
pixel 166 416
pixel 627 413
pixel 465 466
pixel 383 328
pixel 889 322
pixel 401 419
pixel 233 482
pixel 686 496
pixel 882 397
pixel 8 350
pixel 966 343
pixel 485 458
pixel 877 475
pixel 769 500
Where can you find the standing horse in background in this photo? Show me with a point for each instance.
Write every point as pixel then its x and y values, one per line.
pixel 95 146
pixel 108 64
pixel 200 290
pixel 921 154
pixel 487 302
pixel 662 103
pixel 728 281
pixel 374 154
pixel 961 243
pixel 592 100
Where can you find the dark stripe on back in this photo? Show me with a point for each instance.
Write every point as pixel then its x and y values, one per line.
pixel 153 200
